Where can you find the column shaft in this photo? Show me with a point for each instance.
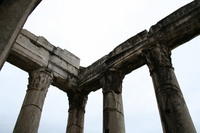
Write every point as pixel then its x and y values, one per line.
pixel 174 113
pixel 76 114
pixel 13 14
pixel 113 116
pixel 29 117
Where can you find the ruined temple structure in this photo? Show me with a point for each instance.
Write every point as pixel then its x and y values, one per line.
pixel 49 65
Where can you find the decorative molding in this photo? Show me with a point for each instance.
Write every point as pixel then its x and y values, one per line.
pixel 157 56
pixel 112 81
pixel 40 79
pixel 77 101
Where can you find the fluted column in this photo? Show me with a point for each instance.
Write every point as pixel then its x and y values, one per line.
pixel 29 117
pixel 113 116
pixel 174 113
pixel 77 103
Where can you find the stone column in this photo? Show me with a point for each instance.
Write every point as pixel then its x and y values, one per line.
pixel 13 14
pixel 76 111
pixel 29 117
pixel 174 113
pixel 113 116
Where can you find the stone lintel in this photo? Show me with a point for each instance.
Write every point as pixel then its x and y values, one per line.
pixel 32 52
pixel 172 31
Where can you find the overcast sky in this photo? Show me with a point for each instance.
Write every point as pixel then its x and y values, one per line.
pixel 90 29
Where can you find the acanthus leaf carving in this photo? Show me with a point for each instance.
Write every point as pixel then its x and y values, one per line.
pixel 112 81
pixel 40 79
pixel 77 101
pixel 157 57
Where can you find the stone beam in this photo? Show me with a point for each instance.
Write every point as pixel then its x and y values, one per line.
pixel 13 14
pixel 31 52
pixel 172 31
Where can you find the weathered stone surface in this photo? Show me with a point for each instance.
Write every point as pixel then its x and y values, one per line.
pixel 174 114
pixel 76 111
pixel 31 52
pixel 67 56
pixel 29 117
pixel 113 116
pixel 27 49
pixel 174 30
pixel 13 14
pixel 41 41
pixel 58 63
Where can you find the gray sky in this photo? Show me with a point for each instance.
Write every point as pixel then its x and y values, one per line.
pixel 90 29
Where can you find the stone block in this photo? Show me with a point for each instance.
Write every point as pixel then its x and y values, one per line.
pixel 67 56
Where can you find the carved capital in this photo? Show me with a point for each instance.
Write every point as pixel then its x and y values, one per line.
pixel 157 57
pixel 40 79
pixel 77 101
pixel 112 81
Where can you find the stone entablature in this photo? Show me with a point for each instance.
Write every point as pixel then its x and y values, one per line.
pixel 31 52
pixel 172 31
pixel 47 64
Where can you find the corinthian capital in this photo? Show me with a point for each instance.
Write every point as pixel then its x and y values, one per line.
pixel 77 101
pixel 112 81
pixel 157 56
pixel 40 79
